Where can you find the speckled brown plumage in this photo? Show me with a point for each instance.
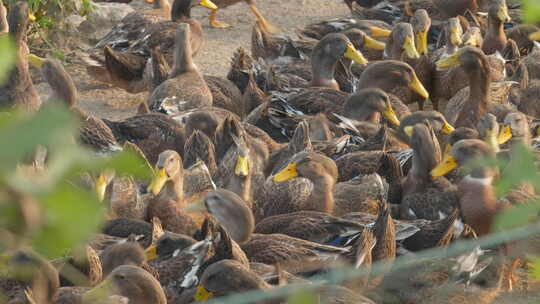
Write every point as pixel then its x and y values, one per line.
pixel 18 91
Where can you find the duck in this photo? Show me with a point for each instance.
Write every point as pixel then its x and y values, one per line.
pixel 459 111
pixel 18 91
pixel 495 38
pixel 396 78
pixel 220 4
pixel 26 269
pixel 423 196
pixel 477 200
pixel 400 44
pixel 4 24
pixel 184 74
pixel 374 28
pixel 93 133
pixel 126 67
pixel 169 203
pixel 451 9
pixel 129 281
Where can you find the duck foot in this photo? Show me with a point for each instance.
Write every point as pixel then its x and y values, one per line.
pixel 216 23
pixel 267 26
pixel 512 279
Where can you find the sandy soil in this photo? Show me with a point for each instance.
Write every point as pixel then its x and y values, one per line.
pixel 213 59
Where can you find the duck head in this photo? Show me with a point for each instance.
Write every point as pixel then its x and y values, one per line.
pixel 421 24
pixel 168 167
pixel 366 102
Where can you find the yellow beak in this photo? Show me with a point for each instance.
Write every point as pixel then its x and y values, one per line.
pixel 101 187
pixel 202 294
pixel 417 86
pixel 378 32
pixel 447 128
pixel 409 48
pixel 504 135
pixel 373 44
pixel 208 4
pixel 151 253
pixel 390 115
pixel 448 62
pixel 286 174
pixel 354 55
pixel 35 61
pixel 535 36
pixel 455 36
pixel 160 178
pixel 422 42
pixel 32 17
pixel 502 14
pixel 242 166
pixel 408 130
pixel 448 164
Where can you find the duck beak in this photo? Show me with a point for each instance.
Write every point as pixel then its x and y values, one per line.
pixel 447 128
pixel 202 294
pixel 448 62
pixel 535 36
pixel 448 164
pixel 378 32
pixel 160 178
pixel 354 55
pixel 196 206
pixel 101 186
pixel 32 17
pixel 242 166
pixel 286 174
pixel 390 115
pixel 504 135
pixel 417 86
pixel 502 14
pixel 208 4
pixel 98 293
pixel 409 48
pixel 35 61
pixel 151 253
pixel 408 130
pixel 455 36
pixel 422 42
pixel 373 44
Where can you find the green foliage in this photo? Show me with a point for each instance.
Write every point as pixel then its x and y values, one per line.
pixel 8 55
pixel 51 13
pixel 531 11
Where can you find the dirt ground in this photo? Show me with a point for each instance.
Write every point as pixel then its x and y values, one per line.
pixel 213 59
pixel 112 103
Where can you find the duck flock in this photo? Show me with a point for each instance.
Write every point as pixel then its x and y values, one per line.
pixel 357 142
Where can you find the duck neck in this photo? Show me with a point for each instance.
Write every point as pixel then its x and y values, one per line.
pixel 479 94
pixel 322 196
pixel 323 68
pixel 180 11
pixel 163 5
pixel 496 29
pixel 174 190
pixel 183 61
pixel 240 185
pixel 492 141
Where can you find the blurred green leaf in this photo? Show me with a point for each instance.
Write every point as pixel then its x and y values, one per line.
pixel 531 11
pixel 518 170
pixel 517 216
pixel 304 297
pixel 536 268
pixel 7 60
pixel 71 215
pixel 23 132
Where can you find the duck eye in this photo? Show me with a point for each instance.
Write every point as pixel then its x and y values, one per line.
pixel 120 276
